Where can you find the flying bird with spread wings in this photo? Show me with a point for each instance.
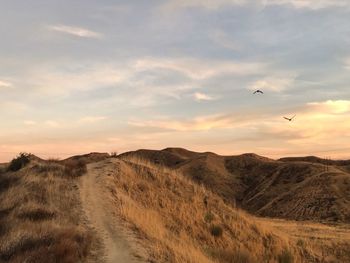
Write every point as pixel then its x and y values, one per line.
pixel 258 91
pixel 289 119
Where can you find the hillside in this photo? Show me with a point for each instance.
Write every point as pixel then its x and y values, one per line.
pixel 131 210
pixel 293 188
pixel 179 221
pixel 40 214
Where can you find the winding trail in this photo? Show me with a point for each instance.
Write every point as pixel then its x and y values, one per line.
pixel 98 207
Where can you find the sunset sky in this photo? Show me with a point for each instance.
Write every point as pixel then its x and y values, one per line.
pixel 86 75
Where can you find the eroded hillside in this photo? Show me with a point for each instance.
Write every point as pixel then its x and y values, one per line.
pixel 300 189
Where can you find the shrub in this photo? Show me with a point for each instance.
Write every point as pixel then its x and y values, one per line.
pixel 209 217
pixel 114 154
pixel 19 162
pixel 285 257
pixel 301 243
pixel 216 230
pixel 75 168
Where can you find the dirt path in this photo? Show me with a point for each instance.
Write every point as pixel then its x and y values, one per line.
pixel 98 207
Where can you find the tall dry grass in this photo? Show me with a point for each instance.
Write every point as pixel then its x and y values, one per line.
pixel 40 219
pixel 176 218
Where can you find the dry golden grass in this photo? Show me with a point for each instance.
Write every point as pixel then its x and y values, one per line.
pixel 294 189
pixel 40 220
pixel 325 242
pixel 175 217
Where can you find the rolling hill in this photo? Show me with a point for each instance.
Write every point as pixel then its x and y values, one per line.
pixel 164 206
pixel 306 188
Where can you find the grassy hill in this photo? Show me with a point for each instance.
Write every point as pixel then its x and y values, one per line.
pixel 181 221
pixel 165 198
pixel 293 188
pixel 40 215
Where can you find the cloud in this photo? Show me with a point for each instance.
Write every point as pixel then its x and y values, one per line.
pixel 13 107
pixel 92 119
pixel 216 4
pixel 347 63
pixel 29 122
pixel 64 78
pixel 309 4
pixel 51 123
pixel 319 127
pixel 224 40
pixel 143 82
pixel 167 77
pixel 199 69
pixel 275 84
pixel 198 96
pixel 207 4
pixel 331 106
pixel 201 123
pixel 75 31
pixel 5 84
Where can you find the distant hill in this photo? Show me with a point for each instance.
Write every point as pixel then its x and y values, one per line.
pixel 314 159
pixel 88 158
pixel 294 188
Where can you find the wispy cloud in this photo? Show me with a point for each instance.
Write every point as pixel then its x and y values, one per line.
pixel 346 63
pixel 92 119
pixel 309 4
pixel 171 77
pixel 13 106
pixel 51 123
pixel 275 84
pixel 5 84
pixel 207 4
pixel 198 96
pixel 64 78
pixel 331 106
pixel 222 39
pixel 200 69
pixel 216 4
pixel 75 31
pixel 201 123
pixel 30 122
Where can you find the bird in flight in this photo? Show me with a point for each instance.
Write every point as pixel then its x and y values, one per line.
pixel 258 91
pixel 289 119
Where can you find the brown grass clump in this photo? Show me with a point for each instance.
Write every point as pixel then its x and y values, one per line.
pixel 40 219
pixel 74 168
pixel 285 257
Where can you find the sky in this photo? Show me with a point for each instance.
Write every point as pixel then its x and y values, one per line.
pixel 81 76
